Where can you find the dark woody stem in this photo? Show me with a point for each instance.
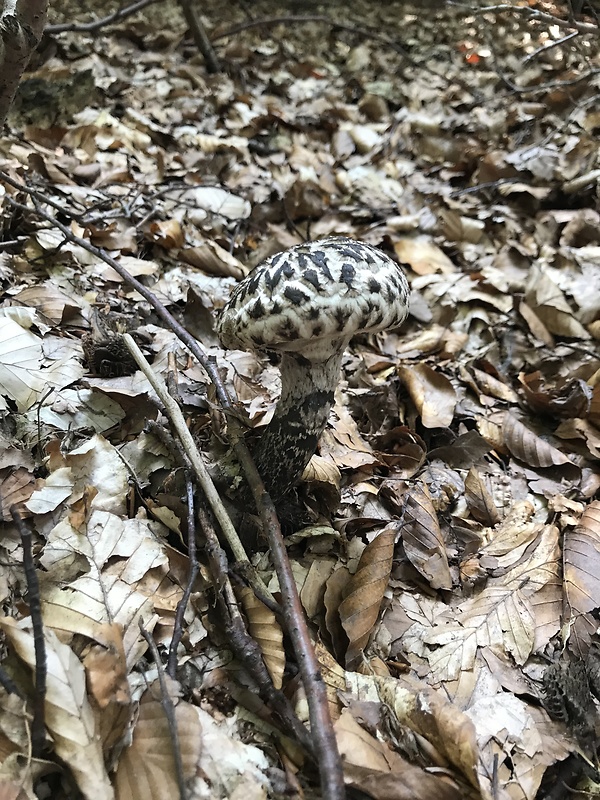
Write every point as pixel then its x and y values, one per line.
pixel 286 446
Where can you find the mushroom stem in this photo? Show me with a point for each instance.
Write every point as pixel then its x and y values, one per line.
pixel 307 393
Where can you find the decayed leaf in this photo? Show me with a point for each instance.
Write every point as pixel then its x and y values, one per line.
pixel 69 717
pixel 499 617
pixel 373 767
pixel 432 393
pixel 267 633
pixel 147 769
pixel 428 713
pixel 581 553
pixel 363 594
pixel 479 500
pixel 423 540
pixel 525 445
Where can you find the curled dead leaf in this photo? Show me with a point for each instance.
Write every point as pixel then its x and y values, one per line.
pixel 267 633
pixel 528 447
pixel 423 540
pixel 432 393
pixel 363 595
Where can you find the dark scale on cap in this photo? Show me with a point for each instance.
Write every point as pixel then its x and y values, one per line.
pixel 319 259
pixel 273 278
pixel 287 330
pixel 253 282
pixel 288 270
pixel 314 312
pixel 350 252
pixel 340 318
pixel 312 277
pixel 296 296
pixel 257 310
pixel 374 286
pixel 275 308
pixel 317 330
pixel 348 273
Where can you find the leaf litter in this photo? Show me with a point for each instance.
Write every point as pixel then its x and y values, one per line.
pixel 450 568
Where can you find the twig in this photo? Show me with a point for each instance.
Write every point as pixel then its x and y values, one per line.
pixel 38 725
pixel 200 36
pixel 177 420
pixel 92 27
pixel 330 767
pixel 549 46
pixel 244 647
pixel 531 13
pixel 182 605
pixel 169 709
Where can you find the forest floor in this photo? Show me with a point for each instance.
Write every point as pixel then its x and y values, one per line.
pixel 451 572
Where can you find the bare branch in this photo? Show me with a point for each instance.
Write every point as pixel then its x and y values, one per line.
pixel 95 25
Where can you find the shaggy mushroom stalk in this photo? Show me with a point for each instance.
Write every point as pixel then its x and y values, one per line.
pixel 306 304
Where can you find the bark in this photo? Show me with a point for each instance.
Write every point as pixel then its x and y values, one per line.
pixel 21 27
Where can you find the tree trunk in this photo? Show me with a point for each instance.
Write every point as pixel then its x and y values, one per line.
pixel 21 27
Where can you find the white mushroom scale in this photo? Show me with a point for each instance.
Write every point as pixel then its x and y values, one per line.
pixel 306 304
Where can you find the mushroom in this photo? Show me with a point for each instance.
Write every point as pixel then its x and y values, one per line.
pixel 306 304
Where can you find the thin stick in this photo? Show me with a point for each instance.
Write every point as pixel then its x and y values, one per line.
pixel 169 709
pixel 92 27
pixel 194 568
pixel 38 724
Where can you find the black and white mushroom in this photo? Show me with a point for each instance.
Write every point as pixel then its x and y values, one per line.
pixel 306 304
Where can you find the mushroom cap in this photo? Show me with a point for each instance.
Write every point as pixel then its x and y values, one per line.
pixel 312 298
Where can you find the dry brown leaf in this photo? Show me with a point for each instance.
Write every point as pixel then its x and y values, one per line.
pixel 567 398
pixel 525 445
pixel 423 540
pixel 266 632
pixel 213 259
pixel 332 599
pixel 535 324
pixel 69 716
pixel 479 500
pixel 363 595
pixel 146 769
pixel 423 256
pixel 494 387
pixel 428 713
pixel 16 487
pixel 334 678
pixel 432 393
pixel 581 554
pixel 550 305
pixel 167 233
pixel 499 617
pixel 373 767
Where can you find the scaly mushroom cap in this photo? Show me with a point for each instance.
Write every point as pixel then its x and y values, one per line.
pixel 312 298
